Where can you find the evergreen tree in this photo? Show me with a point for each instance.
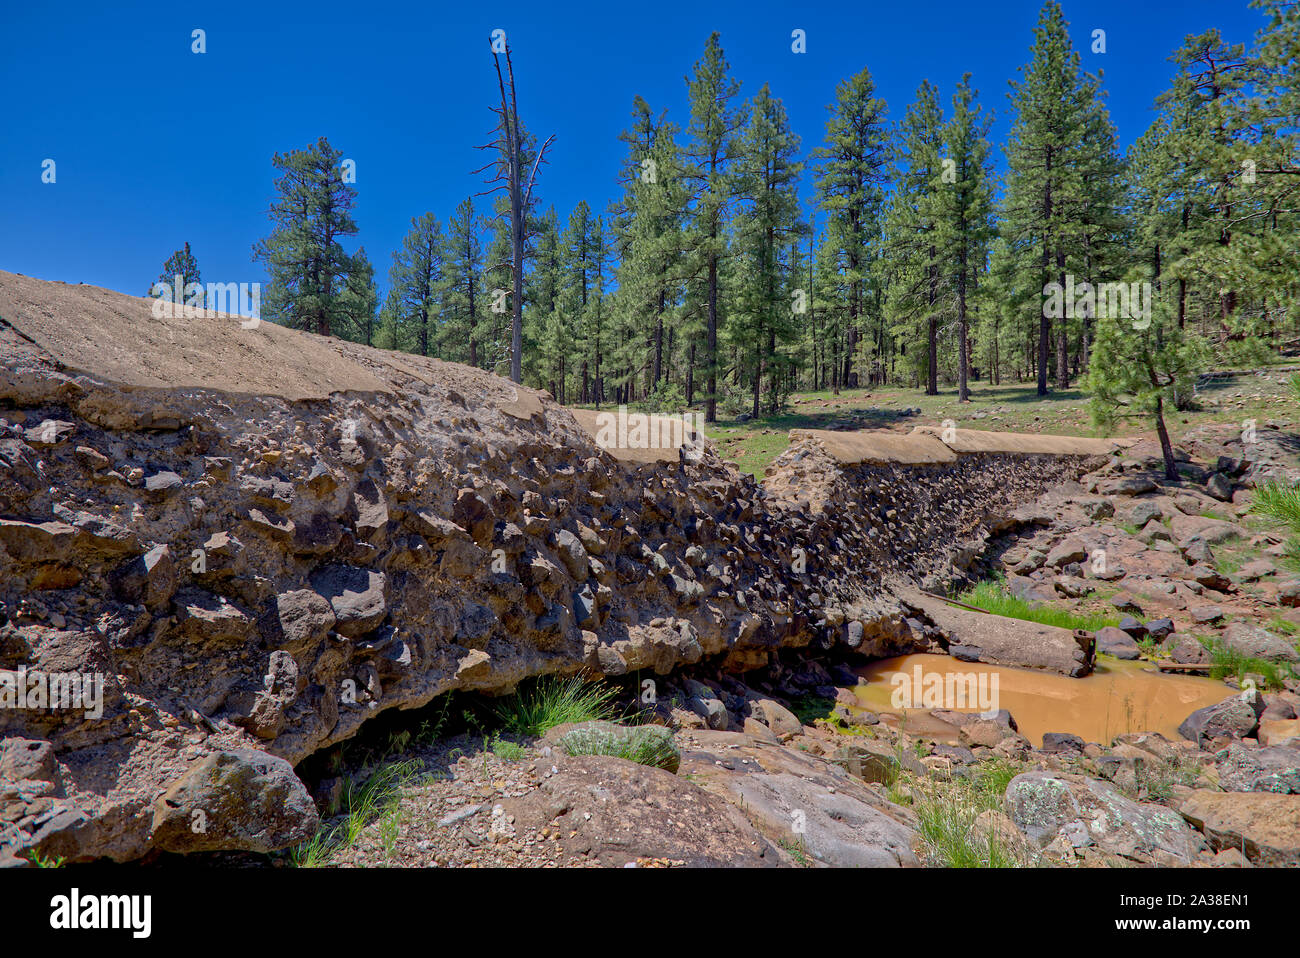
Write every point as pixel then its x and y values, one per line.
pixel 1045 180
pixel 964 212
pixel 416 282
pixel 911 268
pixel 360 300
pixel 648 227
pixel 851 168
pixel 767 184
pixel 547 333
pixel 463 286
pixel 180 273
pixel 710 160
pixel 308 265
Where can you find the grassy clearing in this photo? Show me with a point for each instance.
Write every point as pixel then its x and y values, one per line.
pixel 556 701
pixel 991 595
pixel 1009 407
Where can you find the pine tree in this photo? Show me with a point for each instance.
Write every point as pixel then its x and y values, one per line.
pixel 648 227
pixel 546 334
pixel 911 267
pixel 767 185
pixel 1045 173
pixel 710 159
pixel 594 332
pixel 181 273
pixel 308 266
pixel 416 282
pixel 851 167
pixel 1263 257
pixel 964 211
pixel 464 293
pixel 360 300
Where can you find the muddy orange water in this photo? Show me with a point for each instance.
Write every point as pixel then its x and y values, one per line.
pixel 1118 697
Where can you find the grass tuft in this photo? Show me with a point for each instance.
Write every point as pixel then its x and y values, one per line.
pixel 644 744
pixel 556 701
pixel 991 595
pixel 376 798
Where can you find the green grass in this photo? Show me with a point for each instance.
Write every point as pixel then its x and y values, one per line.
pixel 946 818
pixel 991 595
pixel 556 701
pixel 1227 662
pixel 1279 624
pixel 44 861
pixel 1007 407
pixel 809 708
pixel 1159 778
pixel 797 851
pixel 644 744
pixel 376 798
pixel 507 750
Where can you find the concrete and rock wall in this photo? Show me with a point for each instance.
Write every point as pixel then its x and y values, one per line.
pixel 261 539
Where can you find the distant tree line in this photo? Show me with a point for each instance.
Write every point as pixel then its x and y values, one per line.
pixel 708 284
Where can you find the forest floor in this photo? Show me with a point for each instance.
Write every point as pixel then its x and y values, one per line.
pixel 1260 394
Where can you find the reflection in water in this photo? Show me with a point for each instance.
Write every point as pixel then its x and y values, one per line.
pixel 1118 697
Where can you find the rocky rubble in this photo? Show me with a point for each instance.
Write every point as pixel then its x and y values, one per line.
pixel 255 570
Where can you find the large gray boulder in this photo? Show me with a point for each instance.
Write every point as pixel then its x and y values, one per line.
pixel 1081 812
pixel 1235 717
pixel 240 798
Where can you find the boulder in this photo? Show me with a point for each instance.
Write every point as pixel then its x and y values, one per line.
pixel 830 816
pixel 1259 643
pixel 1185 649
pixel 1266 826
pixel 237 799
pixel 1269 769
pixel 1235 717
pixel 1117 642
pixel 1046 806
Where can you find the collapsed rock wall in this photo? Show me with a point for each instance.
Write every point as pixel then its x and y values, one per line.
pixel 914 508
pixel 256 574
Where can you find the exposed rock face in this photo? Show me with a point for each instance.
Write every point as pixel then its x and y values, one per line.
pixel 922 506
pixel 268 564
pixel 1077 813
pixel 823 810
pixel 1264 825
pixel 613 812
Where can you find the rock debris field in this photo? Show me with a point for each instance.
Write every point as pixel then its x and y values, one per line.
pixel 261 546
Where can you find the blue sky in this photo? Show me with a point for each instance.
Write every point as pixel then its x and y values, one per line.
pixel 155 145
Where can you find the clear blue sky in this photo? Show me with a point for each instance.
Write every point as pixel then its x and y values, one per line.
pixel 156 145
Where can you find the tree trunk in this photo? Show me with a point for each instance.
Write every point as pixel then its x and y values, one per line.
pixel 1166 447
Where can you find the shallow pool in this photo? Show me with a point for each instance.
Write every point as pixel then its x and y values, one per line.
pixel 1118 697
